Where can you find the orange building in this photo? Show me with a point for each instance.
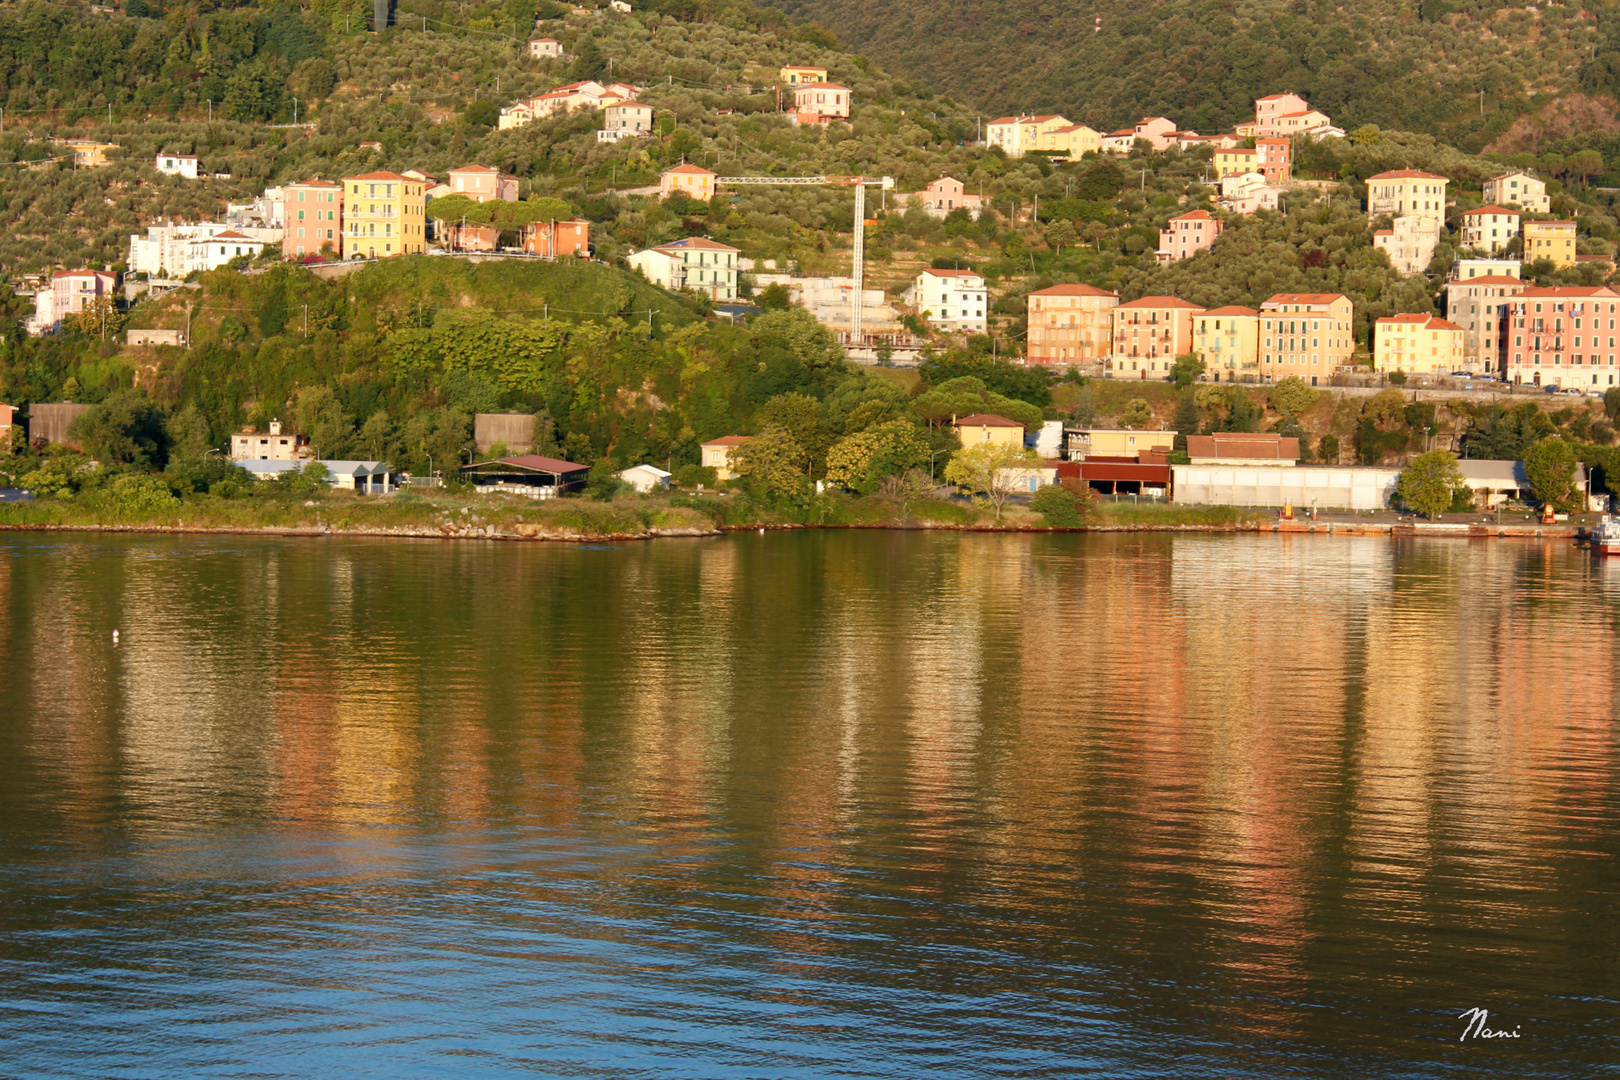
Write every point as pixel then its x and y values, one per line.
pixel 1149 333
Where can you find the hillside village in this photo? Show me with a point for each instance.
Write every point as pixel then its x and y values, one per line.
pixel 1137 255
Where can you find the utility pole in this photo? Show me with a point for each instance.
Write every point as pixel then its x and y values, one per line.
pixel 210 110
pixel 295 108
pixel 306 320
pixel 188 324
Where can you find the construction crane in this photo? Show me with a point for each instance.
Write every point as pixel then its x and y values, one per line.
pixel 860 184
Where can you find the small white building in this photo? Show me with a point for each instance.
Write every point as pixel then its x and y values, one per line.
pixel 545 48
pixel 955 301
pixel 645 478
pixel 364 477
pixel 621 6
pixel 178 250
pixel 695 263
pixel 177 165
pixel 272 445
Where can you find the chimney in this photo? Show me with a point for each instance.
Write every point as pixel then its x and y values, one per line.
pixel 275 427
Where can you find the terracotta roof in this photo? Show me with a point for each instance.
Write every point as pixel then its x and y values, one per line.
pixel 475 168
pixel 1276 97
pixel 1232 309
pixel 1196 215
pixel 315 183
pixel 378 176
pixel 1408 174
pixel 818 86
pixel 232 234
pixel 695 243
pixel 1424 322
pixel 729 440
pixel 79 273
pixel 1305 298
pixel 1122 131
pixel 1260 447
pixel 1528 224
pixel 954 273
pixel 535 39
pixel 689 170
pixel 1162 302
pixel 987 420
pixel 1302 112
pixel 537 463
pixel 1074 290
pixel 1515 172
pixel 1488 279
pixel 1557 291
pixel 1493 209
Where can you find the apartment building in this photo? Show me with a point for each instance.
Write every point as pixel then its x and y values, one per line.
pixel 178 250
pixel 1269 110
pixel 1187 235
pixel 1306 335
pixel 695 263
pixel 1489 228
pixel 1477 304
pixel 626 120
pixel 481 184
pixel 1275 159
pixel 690 180
pixel 1463 269
pixel 1246 193
pixel 1518 189
pixel 1150 332
pixel 1417 345
pixel 794 74
pixel 384 214
pixel 1070 325
pixel 1563 336
pixel 557 238
pixel 1228 341
pixel 1073 142
pixel 314 213
pixel 821 103
pixel 1409 193
pixel 67 292
pixel 1551 240
pixel 1235 162
pixel 1017 135
pixel 955 301
pixel 1409 244
pixel 588 94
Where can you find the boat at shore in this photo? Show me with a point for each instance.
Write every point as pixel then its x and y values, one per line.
pixel 1605 537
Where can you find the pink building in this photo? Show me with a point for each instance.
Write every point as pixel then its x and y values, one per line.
pixel 820 103
pixel 480 183
pixel 1160 133
pixel 944 195
pixel 557 238
pixel 690 180
pixel 1268 110
pixel 69 291
pixel 1188 235
pixel 314 218
pixel 1274 159
pixel 1149 333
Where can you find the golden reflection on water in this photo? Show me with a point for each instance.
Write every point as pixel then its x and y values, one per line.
pixel 1226 756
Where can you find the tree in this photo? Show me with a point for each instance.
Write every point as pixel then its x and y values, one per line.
pixel 1429 482
pixel 802 417
pixel 1186 369
pixel 125 427
pixel 1061 508
pixel 481 114
pixel 1137 414
pixel 860 462
pixel 773 467
pixel 1327 451
pixel 987 469
pixel 775 298
pixel 1291 396
pixel 1550 467
pixel 1061 234
pixel 1585 164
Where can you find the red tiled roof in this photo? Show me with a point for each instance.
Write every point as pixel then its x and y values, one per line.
pixel 1260 447
pixel 1565 291
pixel 1488 279
pixel 1305 298
pixel 1073 290
pixel 378 176
pixel 954 273
pixel 538 463
pixel 729 440
pixel 695 243
pixel 315 183
pixel 1161 302
pixel 987 420
pixel 1232 309
pixel 1528 224
pixel 1196 215
pixel 1515 172
pixel 1425 322
pixel 1491 210
pixel 690 170
pixel 1408 174
pixel 818 86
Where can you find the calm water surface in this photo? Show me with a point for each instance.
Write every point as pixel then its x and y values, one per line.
pixel 828 805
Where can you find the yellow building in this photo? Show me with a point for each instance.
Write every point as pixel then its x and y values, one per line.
pixel 1116 442
pixel 1553 240
pixel 384 214
pixel 794 74
pixel 1307 335
pixel 1518 189
pixel 1228 341
pixel 1418 344
pixel 1073 141
pixel 717 454
pixel 88 153
pixel 1017 135
pixel 1236 162
pixel 989 428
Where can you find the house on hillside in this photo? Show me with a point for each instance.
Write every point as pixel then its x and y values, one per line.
pixel 821 103
pixel 1150 332
pixel 1308 335
pixel 1518 189
pixel 1489 228
pixel 314 213
pixel 1227 339
pixel 626 120
pixel 794 74
pixel 1417 344
pixel 384 215
pixel 545 48
pixel 1477 305
pixel 272 445
pixel 1071 325
pixel 716 454
pixel 1187 235
pixel 1073 141
pixel 1551 240
pixel 690 180
pixel 940 197
pixel 481 184
pixel 954 301
pixel 695 263
pixel 1017 135
pixel 988 428
pixel 69 291
pixel 177 165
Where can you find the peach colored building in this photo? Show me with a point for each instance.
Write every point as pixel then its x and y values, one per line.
pixel 314 218
pixel 1188 235
pixel 1159 132
pixel 1268 111
pixel 557 238
pixel 1477 304
pixel 690 180
pixel 480 183
pixel 1307 335
pixel 1275 159
pixel 1070 324
pixel 1418 344
pixel 1561 336
pixel 545 48
pixel 821 103
pixel 942 196
pixel 1150 332
pixel 1489 228
pixel 1518 189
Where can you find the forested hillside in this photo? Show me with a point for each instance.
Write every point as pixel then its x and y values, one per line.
pixel 1417 65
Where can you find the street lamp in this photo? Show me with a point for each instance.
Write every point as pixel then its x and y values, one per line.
pixel 931 458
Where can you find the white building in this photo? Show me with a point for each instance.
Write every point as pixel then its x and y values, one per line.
pixel 1518 189
pixel 545 48
pixel 645 478
pixel 178 250
pixel 694 263
pixel 1410 244
pixel 1246 193
pixel 69 291
pixel 273 445
pixel 955 301
pixel 177 165
pixel 1489 228
pixel 830 300
pixel 627 120
pixel 364 477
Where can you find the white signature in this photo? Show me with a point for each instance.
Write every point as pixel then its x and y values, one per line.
pixel 1476 1028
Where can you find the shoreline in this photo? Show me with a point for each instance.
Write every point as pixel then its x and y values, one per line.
pixel 536 534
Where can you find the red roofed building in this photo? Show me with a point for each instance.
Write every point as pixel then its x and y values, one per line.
pixel 1489 228
pixel 717 454
pixel 1188 235
pixel 1563 336
pixel 1408 193
pixel 1241 448
pixel 1070 325
pixel 1478 305
pixel 981 428
pixel 1228 341
pixel 690 180
pixel 1308 335
pixel 384 214
pixel 1150 332
pixel 1417 344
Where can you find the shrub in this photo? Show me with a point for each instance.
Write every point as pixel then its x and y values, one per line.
pixel 691 476
pixel 136 495
pixel 1060 508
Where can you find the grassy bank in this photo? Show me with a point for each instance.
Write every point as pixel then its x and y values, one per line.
pixel 471 515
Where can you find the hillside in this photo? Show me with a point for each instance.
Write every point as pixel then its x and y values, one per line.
pixel 1416 66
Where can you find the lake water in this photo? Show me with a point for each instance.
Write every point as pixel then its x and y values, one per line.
pixel 843 804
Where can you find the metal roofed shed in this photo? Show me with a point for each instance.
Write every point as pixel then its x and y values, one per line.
pixel 1496 482
pixel 364 477
pixel 533 475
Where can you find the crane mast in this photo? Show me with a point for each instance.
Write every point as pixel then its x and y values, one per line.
pixel 860 184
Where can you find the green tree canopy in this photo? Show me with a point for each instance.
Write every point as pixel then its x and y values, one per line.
pixel 1430 482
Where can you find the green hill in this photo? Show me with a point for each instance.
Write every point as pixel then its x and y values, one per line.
pixel 1416 65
